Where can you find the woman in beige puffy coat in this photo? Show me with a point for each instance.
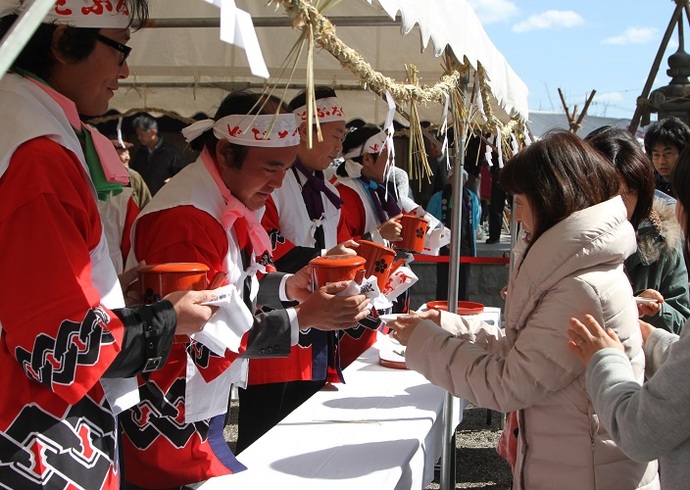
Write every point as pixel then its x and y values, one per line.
pixel 570 262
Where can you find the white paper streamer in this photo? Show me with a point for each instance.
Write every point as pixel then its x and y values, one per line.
pixel 479 102
pixel 488 151
pixel 444 131
pixel 119 133
pixel 388 127
pixel 499 146
pixel 236 28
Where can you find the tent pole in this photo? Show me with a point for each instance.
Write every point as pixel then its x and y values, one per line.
pixel 21 31
pixel 447 480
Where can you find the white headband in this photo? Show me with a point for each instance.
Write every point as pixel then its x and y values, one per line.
pixel 263 130
pixel 374 144
pixel 111 14
pixel 327 110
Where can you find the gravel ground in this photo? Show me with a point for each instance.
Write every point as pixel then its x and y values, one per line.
pixel 478 464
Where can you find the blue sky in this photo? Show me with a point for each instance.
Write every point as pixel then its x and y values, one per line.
pixel 579 46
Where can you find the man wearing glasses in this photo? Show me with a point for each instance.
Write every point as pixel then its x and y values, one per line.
pixel 664 141
pixel 69 347
pixel 122 48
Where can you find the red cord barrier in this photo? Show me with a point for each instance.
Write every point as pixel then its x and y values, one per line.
pixel 463 259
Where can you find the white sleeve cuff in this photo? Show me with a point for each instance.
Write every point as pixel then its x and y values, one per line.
pixel 294 326
pixel 282 293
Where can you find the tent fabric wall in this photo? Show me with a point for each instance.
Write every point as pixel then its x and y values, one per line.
pixel 188 70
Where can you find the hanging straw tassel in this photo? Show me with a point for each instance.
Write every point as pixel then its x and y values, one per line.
pixel 417 157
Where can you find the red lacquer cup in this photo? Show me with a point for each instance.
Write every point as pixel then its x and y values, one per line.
pixel 335 268
pixel 413 232
pixel 158 280
pixel 379 260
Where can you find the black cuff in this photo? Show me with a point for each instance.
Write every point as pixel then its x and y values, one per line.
pixel 149 334
pixel 296 258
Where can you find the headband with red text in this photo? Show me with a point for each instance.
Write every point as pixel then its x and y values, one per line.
pixel 327 110
pixel 110 14
pixel 263 130
pixel 375 144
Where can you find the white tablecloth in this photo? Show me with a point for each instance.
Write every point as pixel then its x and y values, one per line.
pixel 380 430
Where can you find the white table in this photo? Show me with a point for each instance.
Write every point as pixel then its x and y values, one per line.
pixel 380 430
pixel 490 315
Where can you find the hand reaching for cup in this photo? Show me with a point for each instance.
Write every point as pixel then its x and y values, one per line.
pixel 348 247
pixel 298 286
pixel 129 282
pixel 404 326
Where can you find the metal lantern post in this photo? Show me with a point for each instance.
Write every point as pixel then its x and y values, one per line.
pixel 447 480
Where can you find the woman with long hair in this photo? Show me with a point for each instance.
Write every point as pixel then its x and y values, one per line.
pixel 575 235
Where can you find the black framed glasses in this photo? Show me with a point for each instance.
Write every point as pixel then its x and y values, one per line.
pixel 123 49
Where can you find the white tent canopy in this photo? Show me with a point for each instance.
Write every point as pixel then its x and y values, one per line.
pixel 188 70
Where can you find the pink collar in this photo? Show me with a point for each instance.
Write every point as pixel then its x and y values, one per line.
pixel 113 168
pixel 236 209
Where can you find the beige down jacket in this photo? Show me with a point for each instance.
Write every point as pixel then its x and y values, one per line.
pixel 576 267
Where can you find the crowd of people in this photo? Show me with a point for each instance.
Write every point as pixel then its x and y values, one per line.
pixel 598 277
pixel 109 393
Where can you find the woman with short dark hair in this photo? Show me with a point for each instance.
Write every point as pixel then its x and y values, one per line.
pixel 650 421
pixel 656 270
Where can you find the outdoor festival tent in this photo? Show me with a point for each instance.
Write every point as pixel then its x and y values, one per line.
pixel 187 69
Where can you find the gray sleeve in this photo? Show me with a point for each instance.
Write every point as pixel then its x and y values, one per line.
pixel 656 350
pixel 400 180
pixel 269 336
pixel 269 291
pixel 645 421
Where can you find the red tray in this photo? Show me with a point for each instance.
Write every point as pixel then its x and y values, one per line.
pixel 391 360
pixel 464 307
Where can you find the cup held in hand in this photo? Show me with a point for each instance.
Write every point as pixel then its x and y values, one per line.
pixel 159 280
pixel 335 268
pixel 379 260
pixel 413 232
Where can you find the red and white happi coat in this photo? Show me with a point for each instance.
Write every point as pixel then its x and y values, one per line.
pixel 287 222
pixel 174 436
pixel 358 218
pixel 57 288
